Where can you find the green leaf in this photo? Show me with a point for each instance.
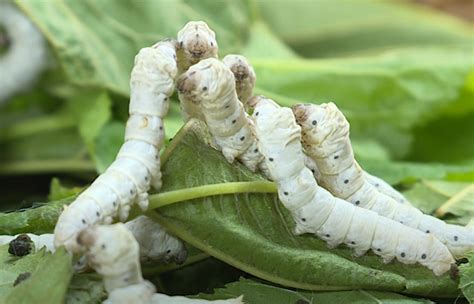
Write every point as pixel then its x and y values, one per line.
pixel 335 28
pixel 255 292
pixel 96 41
pixel 86 288
pixel 92 110
pixel 57 191
pixel 48 283
pixel 384 97
pixel 108 144
pixel 467 278
pixel 253 232
pixel 443 198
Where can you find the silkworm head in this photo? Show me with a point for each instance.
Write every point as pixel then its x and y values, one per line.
pixel 240 67
pixel 207 82
pixel 197 41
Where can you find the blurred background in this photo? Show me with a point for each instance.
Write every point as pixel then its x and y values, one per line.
pixel 401 71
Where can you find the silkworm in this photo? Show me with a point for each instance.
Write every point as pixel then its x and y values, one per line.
pixel 325 133
pixel 375 181
pixel 244 76
pixel 114 253
pixel 211 85
pixel 196 41
pixel 136 167
pixel 332 219
pixel 26 54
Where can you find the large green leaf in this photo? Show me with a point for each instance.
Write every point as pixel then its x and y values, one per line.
pixel 256 292
pixel 332 28
pixel 96 41
pixel 253 232
pixel 467 279
pixel 383 97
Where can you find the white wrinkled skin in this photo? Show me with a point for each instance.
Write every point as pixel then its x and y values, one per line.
pixel 26 56
pixel 332 219
pixel 114 253
pixel 211 85
pixel 327 143
pixel 136 168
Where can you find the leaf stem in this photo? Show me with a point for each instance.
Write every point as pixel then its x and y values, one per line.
pixel 174 196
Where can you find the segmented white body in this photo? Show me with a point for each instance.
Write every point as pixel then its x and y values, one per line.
pixel 137 165
pixel 211 85
pixel 332 219
pixel 378 183
pixel 244 76
pixel 113 252
pixel 26 56
pixel 196 42
pixel 39 241
pixel 325 133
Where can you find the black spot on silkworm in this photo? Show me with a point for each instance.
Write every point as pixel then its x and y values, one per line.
pixel 168 251
pixel 166 98
pixel 328 235
pixel 131 191
pixel 114 203
pixel 285 193
pixel 456 238
pixel 242 138
pixel 256 113
pixel 157 156
pixel 427 231
pixel 227 106
pixel 402 254
pixel 401 222
pixel 423 256
pixel 376 185
pixel 336 157
pixel 270 159
pixel 314 122
pixel 353 243
pixel 146 178
pixel 303 219
pixel 161 128
pixel 378 249
pixel 83 221
pixel 234 121
pixel 212 44
pixel 192 73
pixel 312 170
pixel 97 213
pixel 357 202
pixel 204 88
pixel 21 277
pixel 20 246
pixel 256 150
pixel 103 246
pixel 346 181
pixel 181 44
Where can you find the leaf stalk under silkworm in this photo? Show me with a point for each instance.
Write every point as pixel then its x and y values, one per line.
pixel 174 196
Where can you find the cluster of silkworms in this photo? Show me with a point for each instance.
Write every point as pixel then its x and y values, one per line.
pixel 305 150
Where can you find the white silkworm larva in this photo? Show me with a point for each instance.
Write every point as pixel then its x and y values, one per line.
pixel 375 181
pixel 26 54
pixel 136 167
pixel 196 41
pixel 332 219
pixel 325 133
pixel 211 85
pixel 114 253
pixel 244 84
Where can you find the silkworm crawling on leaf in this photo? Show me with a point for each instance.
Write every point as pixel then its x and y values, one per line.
pixel 26 52
pixel 325 135
pixel 378 183
pixel 211 85
pixel 244 77
pixel 137 165
pixel 114 253
pixel 23 244
pixel 332 219
pixel 196 41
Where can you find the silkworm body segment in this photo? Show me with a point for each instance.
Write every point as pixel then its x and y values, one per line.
pixel 334 220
